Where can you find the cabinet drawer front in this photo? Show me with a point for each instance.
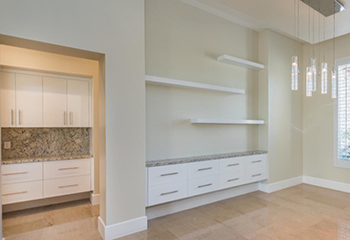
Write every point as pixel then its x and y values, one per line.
pixel 26 172
pixel 231 165
pixel 256 174
pixel 68 168
pixel 21 192
pixel 64 186
pixel 203 169
pixel 257 161
pixel 166 193
pixel 232 179
pixel 167 174
pixel 203 185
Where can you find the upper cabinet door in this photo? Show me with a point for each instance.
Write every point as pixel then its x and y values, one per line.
pixel 78 103
pixel 55 102
pixel 8 99
pixel 29 99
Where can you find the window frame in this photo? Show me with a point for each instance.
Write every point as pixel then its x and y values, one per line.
pixel 338 162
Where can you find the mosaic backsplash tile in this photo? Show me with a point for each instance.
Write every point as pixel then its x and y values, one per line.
pixel 33 142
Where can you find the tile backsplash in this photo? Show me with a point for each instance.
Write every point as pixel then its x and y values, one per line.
pixel 33 142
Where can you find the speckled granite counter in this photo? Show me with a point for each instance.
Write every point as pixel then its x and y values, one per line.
pixel 44 159
pixel 157 163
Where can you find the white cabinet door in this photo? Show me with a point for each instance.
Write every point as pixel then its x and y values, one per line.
pixel 55 102
pixel 78 103
pixel 8 99
pixel 29 99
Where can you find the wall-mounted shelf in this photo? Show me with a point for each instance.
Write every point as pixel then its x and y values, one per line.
pixel 193 85
pixel 226 121
pixel 240 62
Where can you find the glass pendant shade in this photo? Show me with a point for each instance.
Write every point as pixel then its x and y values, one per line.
pixel 308 82
pixel 295 73
pixel 314 74
pixel 334 84
pixel 324 78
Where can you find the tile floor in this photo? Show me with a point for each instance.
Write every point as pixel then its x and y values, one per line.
pixel 299 213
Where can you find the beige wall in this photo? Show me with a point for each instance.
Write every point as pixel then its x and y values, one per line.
pixel 14 57
pixel 319 121
pixel 115 29
pixel 183 42
pixel 281 108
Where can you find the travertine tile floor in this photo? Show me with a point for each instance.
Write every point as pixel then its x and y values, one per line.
pixel 299 213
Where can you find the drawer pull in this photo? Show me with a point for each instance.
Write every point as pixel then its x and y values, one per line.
pixel 68 186
pixel 233 165
pixel 17 193
pixel 11 174
pixel 257 175
pixel 70 168
pixel 257 161
pixel 167 193
pixel 169 174
pixel 205 169
pixel 232 180
pixel 206 185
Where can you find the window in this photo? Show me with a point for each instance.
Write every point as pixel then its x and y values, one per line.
pixel 342 108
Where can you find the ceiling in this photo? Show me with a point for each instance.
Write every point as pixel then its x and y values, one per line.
pixel 277 15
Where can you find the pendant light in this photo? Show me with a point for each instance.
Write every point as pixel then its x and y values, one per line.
pixel 295 64
pixel 313 59
pixel 309 82
pixel 324 65
pixel 334 72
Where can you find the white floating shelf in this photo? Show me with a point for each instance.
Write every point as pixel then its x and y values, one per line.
pixel 226 121
pixel 186 84
pixel 240 62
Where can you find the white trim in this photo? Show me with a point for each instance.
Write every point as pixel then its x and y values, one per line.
pixel 189 203
pixel 240 62
pixel 122 229
pixel 226 121
pixel 277 186
pixel 94 199
pixel 319 182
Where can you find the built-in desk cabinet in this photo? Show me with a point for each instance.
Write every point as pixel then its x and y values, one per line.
pixel 179 181
pixel 32 181
pixel 44 100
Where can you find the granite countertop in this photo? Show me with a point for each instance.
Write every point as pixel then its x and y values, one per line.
pixel 164 162
pixel 44 159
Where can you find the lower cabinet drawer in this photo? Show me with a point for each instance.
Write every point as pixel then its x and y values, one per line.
pixel 167 193
pixel 23 172
pixel 228 180
pixel 21 192
pixel 255 175
pixel 203 185
pixel 65 186
pixel 67 168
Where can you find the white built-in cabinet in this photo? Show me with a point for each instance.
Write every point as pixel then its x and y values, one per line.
pixel 42 100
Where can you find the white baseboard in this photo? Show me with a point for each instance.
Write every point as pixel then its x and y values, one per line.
pixel 273 187
pixel 122 229
pixel 188 203
pixel 319 182
pixel 94 199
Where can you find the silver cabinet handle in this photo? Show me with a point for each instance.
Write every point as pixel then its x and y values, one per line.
pixel 169 174
pixel 11 174
pixel 232 180
pixel 206 185
pixel 64 118
pixel 19 117
pixel 256 175
pixel 68 186
pixel 70 168
pixel 71 118
pixel 168 193
pixel 16 193
pixel 12 118
pixel 256 161
pixel 232 165
pixel 205 169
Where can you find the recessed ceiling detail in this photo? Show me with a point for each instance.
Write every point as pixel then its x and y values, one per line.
pixel 325 7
